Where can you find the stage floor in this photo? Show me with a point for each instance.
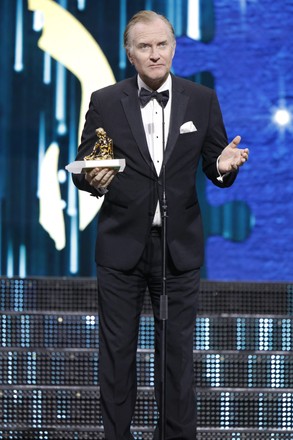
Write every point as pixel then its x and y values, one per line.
pixel 243 359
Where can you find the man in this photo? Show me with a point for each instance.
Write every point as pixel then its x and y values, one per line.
pixel 129 245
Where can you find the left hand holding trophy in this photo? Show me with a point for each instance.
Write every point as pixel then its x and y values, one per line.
pixel 102 156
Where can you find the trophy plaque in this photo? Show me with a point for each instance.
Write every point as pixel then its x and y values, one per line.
pixel 102 156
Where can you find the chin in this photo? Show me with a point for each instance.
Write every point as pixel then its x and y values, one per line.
pixel 158 75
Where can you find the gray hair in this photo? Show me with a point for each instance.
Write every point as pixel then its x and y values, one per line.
pixel 145 17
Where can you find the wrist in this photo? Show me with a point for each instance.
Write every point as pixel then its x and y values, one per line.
pixel 221 174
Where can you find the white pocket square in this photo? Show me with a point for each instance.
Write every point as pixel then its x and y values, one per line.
pixel 187 127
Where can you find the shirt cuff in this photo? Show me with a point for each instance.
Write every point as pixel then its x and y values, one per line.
pixel 220 177
pixel 101 192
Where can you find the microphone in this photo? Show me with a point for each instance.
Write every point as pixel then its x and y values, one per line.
pixel 164 294
pixel 164 298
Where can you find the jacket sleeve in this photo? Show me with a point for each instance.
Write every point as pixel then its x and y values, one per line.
pixel 88 140
pixel 216 140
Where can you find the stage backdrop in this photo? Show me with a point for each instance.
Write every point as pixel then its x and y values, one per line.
pixel 55 53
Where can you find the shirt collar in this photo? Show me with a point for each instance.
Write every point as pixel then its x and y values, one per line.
pixel 166 86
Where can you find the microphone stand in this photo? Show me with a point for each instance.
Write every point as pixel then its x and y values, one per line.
pixel 164 296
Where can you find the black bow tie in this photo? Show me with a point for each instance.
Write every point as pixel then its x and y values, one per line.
pixel 145 96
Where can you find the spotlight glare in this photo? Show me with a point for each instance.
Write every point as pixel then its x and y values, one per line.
pixel 282 117
pixel 62 176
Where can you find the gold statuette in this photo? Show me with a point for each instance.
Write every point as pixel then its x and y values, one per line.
pixel 103 148
pixel 102 156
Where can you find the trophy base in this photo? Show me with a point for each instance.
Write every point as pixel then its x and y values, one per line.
pixel 81 166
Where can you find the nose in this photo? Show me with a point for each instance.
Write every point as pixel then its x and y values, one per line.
pixel 155 55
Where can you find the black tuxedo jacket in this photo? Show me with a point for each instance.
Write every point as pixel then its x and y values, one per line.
pixel 126 215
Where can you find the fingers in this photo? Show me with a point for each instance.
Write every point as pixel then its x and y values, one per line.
pixel 242 154
pixel 100 177
pixel 236 141
pixel 245 154
pixel 243 157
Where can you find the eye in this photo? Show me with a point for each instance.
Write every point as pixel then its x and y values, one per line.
pixel 143 46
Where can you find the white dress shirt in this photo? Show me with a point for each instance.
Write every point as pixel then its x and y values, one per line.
pixel 152 118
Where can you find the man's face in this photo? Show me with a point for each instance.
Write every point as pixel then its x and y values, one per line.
pixel 152 50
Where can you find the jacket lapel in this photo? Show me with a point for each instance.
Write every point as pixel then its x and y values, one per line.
pixel 132 111
pixel 179 104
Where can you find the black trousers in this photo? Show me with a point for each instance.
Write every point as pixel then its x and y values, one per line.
pixel 121 296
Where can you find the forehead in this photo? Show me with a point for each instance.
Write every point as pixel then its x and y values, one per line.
pixel 153 31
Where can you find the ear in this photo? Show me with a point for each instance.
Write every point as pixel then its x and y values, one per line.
pixel 129 56
pixel 174 48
